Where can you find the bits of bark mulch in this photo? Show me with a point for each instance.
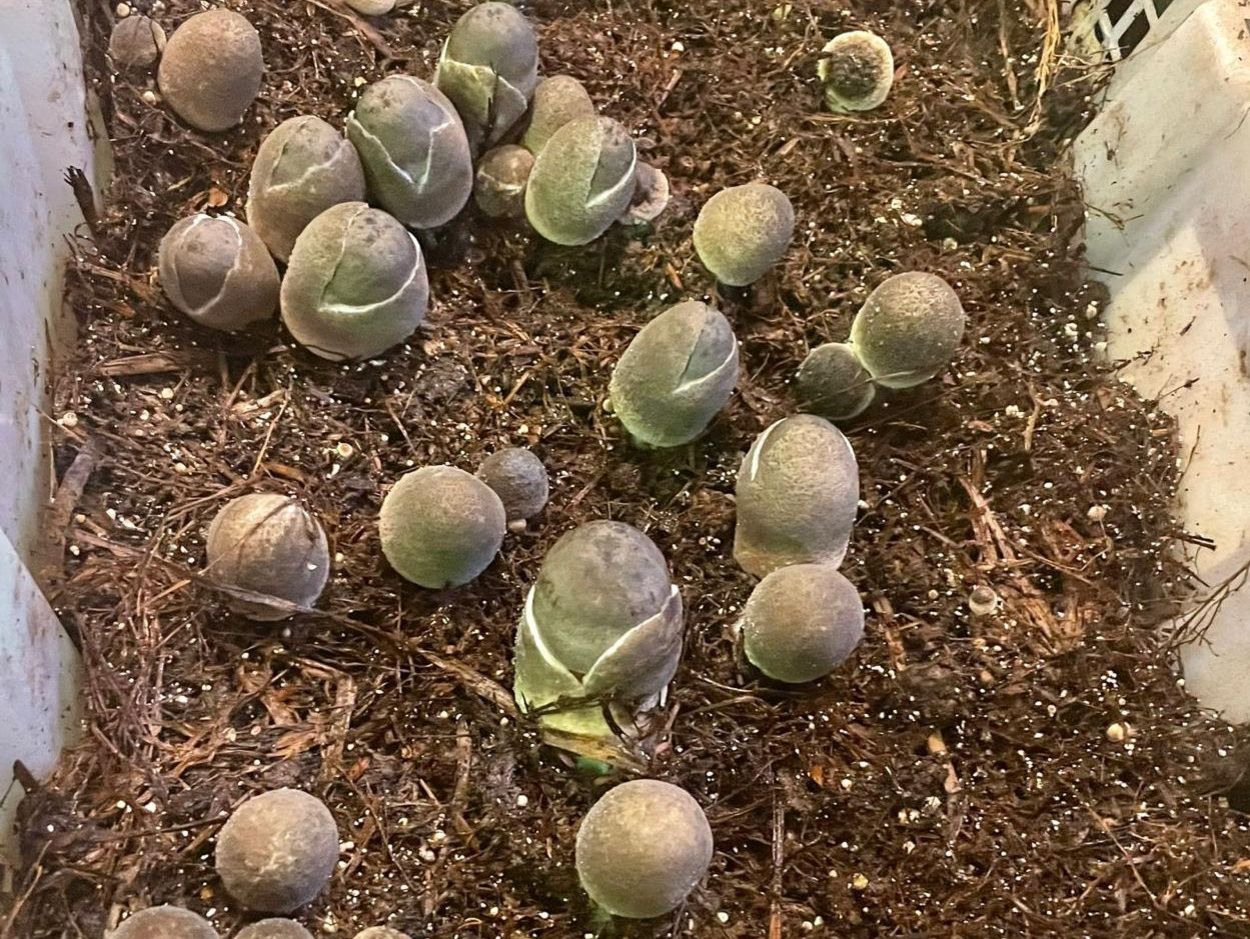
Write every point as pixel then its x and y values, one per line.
pixel 957 778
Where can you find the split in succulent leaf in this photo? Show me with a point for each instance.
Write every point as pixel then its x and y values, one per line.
pixel 218 272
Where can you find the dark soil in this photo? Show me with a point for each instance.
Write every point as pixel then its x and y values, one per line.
pixel 956 779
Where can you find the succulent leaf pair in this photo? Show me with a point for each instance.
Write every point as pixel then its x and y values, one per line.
pixel 218 272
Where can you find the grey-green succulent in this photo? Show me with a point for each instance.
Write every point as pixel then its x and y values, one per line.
pixel 372 7
pixel 211 69
pixel 651 195
pixel 519 478
pixel 414 150
pixel 268 544
pixel 274 928
pixel 743 231
pixel 601 627
pixel 833 383
pixel 908 329
pixel 164 922
pixel 558 99
pixel 582 182
pixel 642 848
pixel 355 285
pixel 136 42
pixel 302 168
pixel 676 375
pixel 381 932
pixel 857 71
pixel 801 622
pixel 441 527
pixel 218 272
pixel 797 494
pixel 502 176
pixel 488 68
pixel 277 850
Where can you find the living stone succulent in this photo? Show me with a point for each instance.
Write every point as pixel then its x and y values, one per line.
pixel 302 168
pixel 582 182
pixel 642 848
pixel 164 922
pixel 277 850
pixel 212 69
pixel 355 284
pixel 136 42
pixel 558 100
pixel 441 527
pixel 266 543
pixel 857 71
pixel 676 375
pixel 602 625
pixel 797 494
pixel 651 195
pixel 217 271
pixel 833 383
pixel 908 329
pixel 519 478
pixel 502 175
pixel 743 231
pixel 274 929
pixel 488 68
pixel 381 932
pixel 414 149
pixel 372 7
pixel 801 622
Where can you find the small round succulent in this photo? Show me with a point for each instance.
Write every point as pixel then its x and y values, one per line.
pixel 908 329
pixel 372 7
pixel 441 527
pixel 164 922
pixel 602 623
pixel 558 100
pixel 797 494
pixel 273 929
pixel 833 383
pixel 302 168
pixel 642 848
pixel 651 195
pixel 857 71
pixel 268 544
pixel 502 175
pixel 801 622
pixel 488 68
pixel 414 149
pixel 676 375
pixel 277 850
pixel 381 932
pixel 217 271
pixel 136 42
pixel 211 70
pixel 743 231
pixel 582 182
pixel 355 285
pixel 519 478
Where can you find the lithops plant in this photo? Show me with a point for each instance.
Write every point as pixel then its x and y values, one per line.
pixel 441 527
pixel 502 175
pixel 642 848
pixel 381 932
pixel 558 100
pixel 801 622
pixel 355 284
pixel 582 182
pixel 743 231
pixel 488 68
pixel 602 625
pixel 372 7
pixel 267 543
pixel 857 71
pixel 414 149
pixel 302 168
pixel 908 329
pixel 676 375
pixel 797 494
pixel 136 42
pixel 519 478
pixel 277 850
pixel 164 922
pixel 211 70
pixel 833 383
pixel 273 929
pixel 217 271
pixel 651 195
